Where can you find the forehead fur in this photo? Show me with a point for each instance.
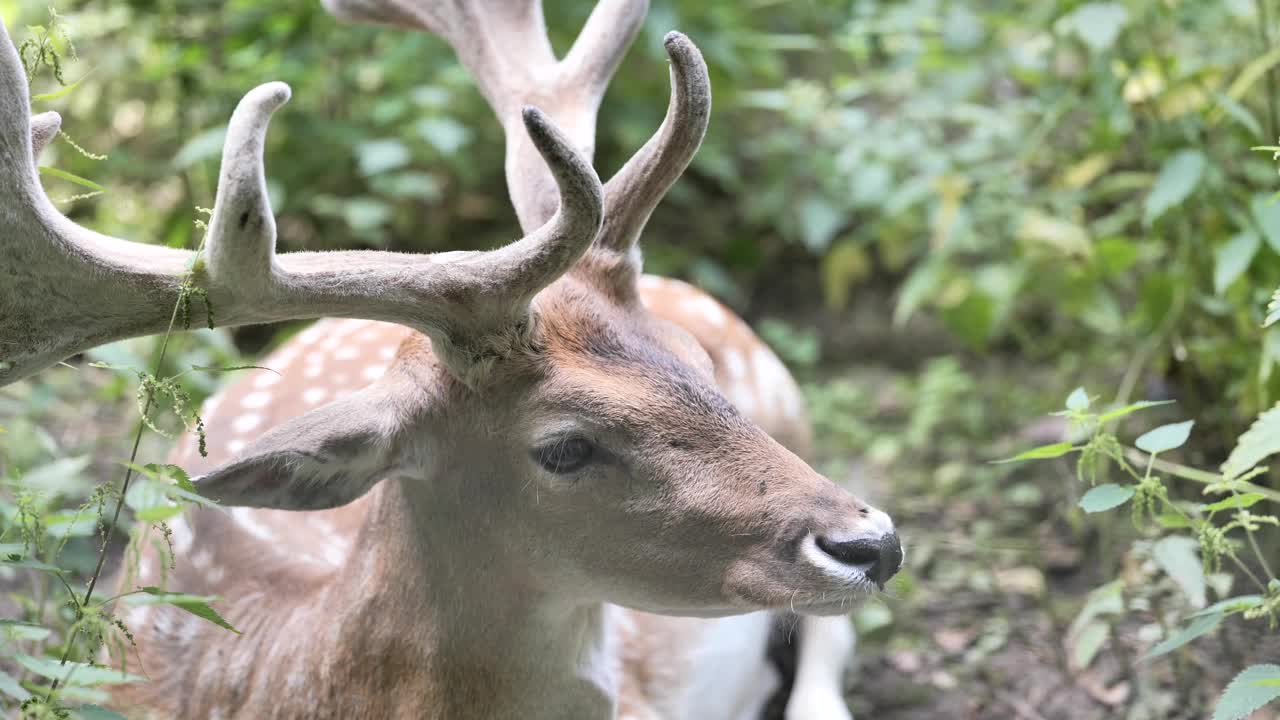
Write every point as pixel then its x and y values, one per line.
pixel 626 357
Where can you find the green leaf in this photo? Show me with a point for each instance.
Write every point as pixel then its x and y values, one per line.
pixel 1232 605
pixel 62 476
pixel 1200 625
pixel 446 134
pixel 1273 309
pixel 1130 409
pixel 1098 24
pixel 1178 177
pixel 1259 442
pixel 1041 453
pixel 923 281
pixel 1177 556
pixel 205 145
pixel 1235 501
pixel 194 604
pixel 9 686
pixel 1165 437
pixel 1240 114
pixel 819 221
pixel 1254 687
pixel 60 92
pixel 1267 214
pixel 19 630
pixel 80 673
pixel 1078 400
pixel 32 565
pixel 1088 642
pixel 97 712
pixel 379 156
pixel 1106 497
pixel 64 175
pixel 1232 259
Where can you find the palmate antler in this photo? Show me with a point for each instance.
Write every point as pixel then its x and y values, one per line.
pixel 64 289
pixel 504 45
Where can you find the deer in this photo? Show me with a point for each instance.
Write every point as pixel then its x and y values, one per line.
pixel 529 482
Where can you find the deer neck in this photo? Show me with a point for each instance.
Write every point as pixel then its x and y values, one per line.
pixel 483 639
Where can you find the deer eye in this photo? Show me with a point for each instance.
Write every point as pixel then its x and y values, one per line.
pixel 565 455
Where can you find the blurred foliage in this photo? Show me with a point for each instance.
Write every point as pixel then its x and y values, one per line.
pixel 1065 188
pixel 1044 176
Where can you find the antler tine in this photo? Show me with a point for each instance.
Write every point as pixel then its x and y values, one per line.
pixel 633 193
pixel 64 289
pixel 43 129
pixel 242 231
pixel 504 45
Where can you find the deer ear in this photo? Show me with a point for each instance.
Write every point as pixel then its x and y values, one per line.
pixel 320 460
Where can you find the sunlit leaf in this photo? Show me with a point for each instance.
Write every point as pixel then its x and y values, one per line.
pixel 1259 442
pixel 194 604
pixel 69 177
pixel 1254 687
pixel 1178 177
pixel 60 92
pixel 80 673
pixel 1078 400
pixel 1178 556
pixel 1232 259
pixel 1041 453
pixel 1266 213
pixel 9 686
pixel 1130 409
pixel 1234 502
pixel 1165 437
pixel 202 146
pixel 1098 24
pixel 1200 625
pixel 1106 497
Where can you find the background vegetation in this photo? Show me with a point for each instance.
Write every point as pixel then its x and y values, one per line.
pixel 944 214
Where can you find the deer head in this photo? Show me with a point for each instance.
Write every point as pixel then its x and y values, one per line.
pixel 587 447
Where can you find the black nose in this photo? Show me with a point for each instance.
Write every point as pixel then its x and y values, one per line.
pixel 883 556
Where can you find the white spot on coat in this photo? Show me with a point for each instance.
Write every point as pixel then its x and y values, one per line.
pixel 373 372
pixel 255 400
pixel 349 352
pixel 235 446
pixel 246 423
pixel 315 395
pixel 265 379
pixel 247 519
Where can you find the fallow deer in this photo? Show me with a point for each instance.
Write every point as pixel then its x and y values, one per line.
pixel 529 482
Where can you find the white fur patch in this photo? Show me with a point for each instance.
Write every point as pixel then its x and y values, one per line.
pixel 373 372
pixel 388 352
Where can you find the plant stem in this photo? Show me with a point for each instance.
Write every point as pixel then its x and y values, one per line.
pixel 1199 476
pixel 124 489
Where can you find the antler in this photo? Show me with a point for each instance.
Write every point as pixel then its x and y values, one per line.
pixel 64 289
pixel 504 45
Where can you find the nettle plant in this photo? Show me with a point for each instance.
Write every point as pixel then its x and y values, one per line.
pixel 1189 542
pixel 53 644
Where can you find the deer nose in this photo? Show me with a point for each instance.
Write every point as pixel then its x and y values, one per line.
pixel 879 558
